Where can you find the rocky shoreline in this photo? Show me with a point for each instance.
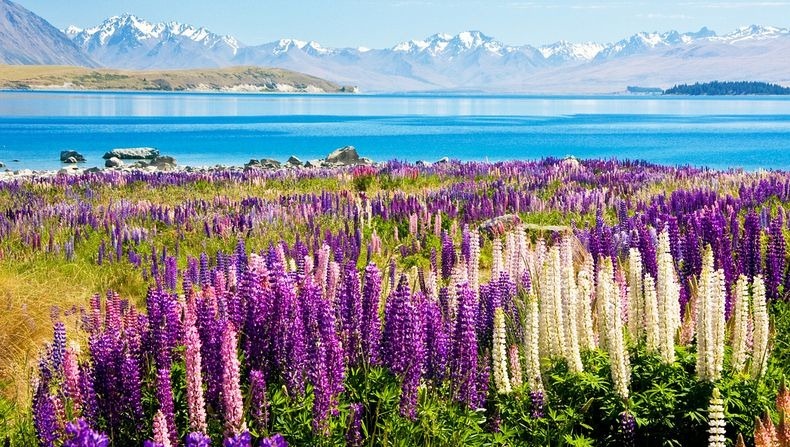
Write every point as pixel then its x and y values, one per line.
pixel 146 159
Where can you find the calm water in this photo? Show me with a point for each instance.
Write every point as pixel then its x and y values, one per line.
pixel 206 129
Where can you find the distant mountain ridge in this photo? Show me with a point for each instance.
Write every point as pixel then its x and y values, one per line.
pixel 26 38
pixel 470 60
pixel 467 61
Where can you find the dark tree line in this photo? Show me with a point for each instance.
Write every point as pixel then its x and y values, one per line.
pixel 717 88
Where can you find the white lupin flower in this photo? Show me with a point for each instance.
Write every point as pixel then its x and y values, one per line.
pixel 570 300
pixel 651 315
pixel 523 251
pixel 635 294
pixel 716 422
pixel 532 342
pixel 473 263
pixel 544 290
pixel 710 320
pixel 761 328
pixel 556 317
pixel 514 362
pixel 613 323
pixel 740 324
pixel 499 353
pixel 584 313
pixel 497 263
pixel 667 298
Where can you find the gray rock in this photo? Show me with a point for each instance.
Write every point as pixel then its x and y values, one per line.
pixel 442 160
pixel 268 163
pixel 499 225
pixel 113 162
pixel 294 161
pixel 254 162
pixel 68 155
pixel 132 153
pixel 2 165
pixel 164 163
pixel 313 164
pixel 93 170
pixel 345 156
pixel 422 163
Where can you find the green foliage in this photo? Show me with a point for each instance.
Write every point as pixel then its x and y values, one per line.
pixel 718 88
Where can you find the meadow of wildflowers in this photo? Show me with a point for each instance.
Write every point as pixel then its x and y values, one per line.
pixel 554 302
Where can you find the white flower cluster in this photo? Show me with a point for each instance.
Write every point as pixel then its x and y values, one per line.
pixel 710 321
pixel 761 328
pixel 716 422
pixel 499 353
pixel 741 324
pixel 668 299
pixel 611 318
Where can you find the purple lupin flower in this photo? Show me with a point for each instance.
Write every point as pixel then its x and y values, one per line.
pixel 46 419
pixel 464 358
pixel 58 347
pixel 371 322
pixel 750 260
pixel 627 428
pixel 275 440
pixel 448 255
pixel 536 399
pixel 259 404
pixel 775 258
pixel 164 393
pixel 243 439
pixel 437 341
pixel 354 433
pixel 80 434
pixel 198 439
pixel 326 356
pixel 350 303
pixel 416 359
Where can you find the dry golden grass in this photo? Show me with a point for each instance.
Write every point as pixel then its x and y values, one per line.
pixel 43 76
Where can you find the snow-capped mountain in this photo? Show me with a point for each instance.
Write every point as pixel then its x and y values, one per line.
pixel 127 41
pixel 470 60
pixel 564 51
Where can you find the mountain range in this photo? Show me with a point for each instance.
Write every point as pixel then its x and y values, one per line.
pixel 467 61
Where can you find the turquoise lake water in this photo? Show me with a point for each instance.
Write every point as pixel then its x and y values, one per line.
pixel 207 129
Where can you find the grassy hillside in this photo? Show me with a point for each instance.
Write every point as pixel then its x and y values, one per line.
pixel 224 79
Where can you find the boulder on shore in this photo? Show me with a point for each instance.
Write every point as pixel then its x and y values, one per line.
pixel 164 163
pixel 71 156
pixel 113 162
pixel 293 160
pixel 132 153
pixel 344 156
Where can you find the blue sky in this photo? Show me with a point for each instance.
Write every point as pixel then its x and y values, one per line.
pixel 382 23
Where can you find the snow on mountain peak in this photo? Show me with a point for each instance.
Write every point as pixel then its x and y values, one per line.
pixel 569 51
pixel 442 43
pixel 132 28
pixel 754 32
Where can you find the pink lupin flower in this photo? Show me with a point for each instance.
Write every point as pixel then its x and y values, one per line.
pixel 71 377
pixel 161 436
pixel 231 390
pixel 194 376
